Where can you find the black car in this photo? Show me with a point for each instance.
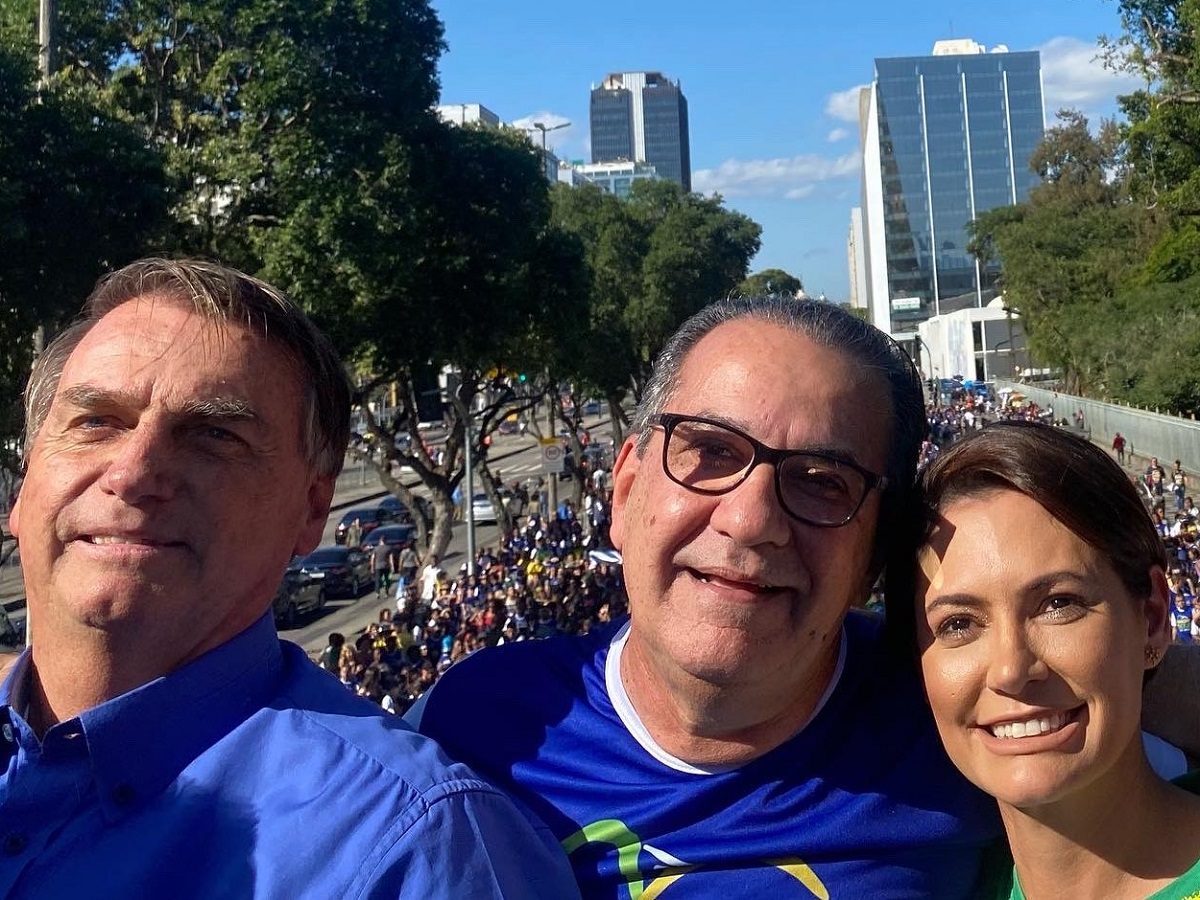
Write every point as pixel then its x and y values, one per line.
pixel 298 594
pixel 395 536
pixel 394 507
pixel 368 520
pixel 345 571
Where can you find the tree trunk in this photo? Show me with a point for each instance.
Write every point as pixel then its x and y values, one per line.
pixel 443 523
pixel 491 486
pixel 616 414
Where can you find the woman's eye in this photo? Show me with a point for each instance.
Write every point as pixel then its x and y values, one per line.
pixel 955 629
pixel 1064 607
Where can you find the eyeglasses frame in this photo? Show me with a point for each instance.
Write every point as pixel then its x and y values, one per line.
pixel 764 453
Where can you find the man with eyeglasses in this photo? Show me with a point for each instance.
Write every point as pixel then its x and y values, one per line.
pixel 742 734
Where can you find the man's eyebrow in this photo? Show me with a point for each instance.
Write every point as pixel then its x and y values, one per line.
pixel 220 408
pixel 88 396
pixel 825 450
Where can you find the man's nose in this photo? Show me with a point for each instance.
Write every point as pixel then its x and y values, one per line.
pixel 750 514
pixel 143 465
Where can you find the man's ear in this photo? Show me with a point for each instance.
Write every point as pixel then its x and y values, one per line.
pixel 316 514
pixel 625 471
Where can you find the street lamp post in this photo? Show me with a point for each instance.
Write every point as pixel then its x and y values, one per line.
pixel 543 128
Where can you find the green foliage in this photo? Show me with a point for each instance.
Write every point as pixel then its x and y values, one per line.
pixel 770 281
pixel 652 260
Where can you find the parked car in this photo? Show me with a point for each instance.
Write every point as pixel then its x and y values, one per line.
pixel 298 594
pixel 395 536
pixel 482 509
pixel 345 571
pixel 397 511
pixel 368 520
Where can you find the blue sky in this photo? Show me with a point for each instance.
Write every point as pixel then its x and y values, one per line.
pixel 769 86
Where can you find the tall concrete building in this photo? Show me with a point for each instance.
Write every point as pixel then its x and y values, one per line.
pixel 944 137
pixel 642 117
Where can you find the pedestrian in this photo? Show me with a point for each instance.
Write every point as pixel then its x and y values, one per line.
pixel 381 567
pixel 332 652
pixel 354 533
pixel 183 441
pixel 1118 446
pixel 1179 485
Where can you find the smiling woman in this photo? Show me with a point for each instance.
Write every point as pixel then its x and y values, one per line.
pixel 1040 605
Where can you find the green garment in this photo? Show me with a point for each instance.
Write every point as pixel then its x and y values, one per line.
pixel 998 876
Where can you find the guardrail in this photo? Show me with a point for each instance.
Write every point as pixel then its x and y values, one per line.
pixel 1146 433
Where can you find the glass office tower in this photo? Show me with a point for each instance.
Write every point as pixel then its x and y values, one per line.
pixel 642 117
pixel 945 138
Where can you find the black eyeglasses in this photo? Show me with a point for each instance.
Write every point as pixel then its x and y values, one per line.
pixel 710 457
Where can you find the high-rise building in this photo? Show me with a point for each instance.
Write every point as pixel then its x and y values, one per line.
pixel 945 137
pixel 642 117
pixel 467 114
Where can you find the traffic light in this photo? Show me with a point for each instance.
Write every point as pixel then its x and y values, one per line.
pixel 522 378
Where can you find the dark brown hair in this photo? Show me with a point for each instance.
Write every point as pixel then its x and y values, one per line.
pixel 1071 478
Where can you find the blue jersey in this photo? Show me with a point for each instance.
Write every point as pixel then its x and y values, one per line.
pixel 1181 620
pixel 861 803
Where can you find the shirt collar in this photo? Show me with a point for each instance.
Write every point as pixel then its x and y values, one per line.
pixel 140 741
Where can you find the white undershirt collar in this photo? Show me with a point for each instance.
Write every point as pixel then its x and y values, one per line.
pixel 633 722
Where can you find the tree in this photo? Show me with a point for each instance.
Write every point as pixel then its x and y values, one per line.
pixel 1070 250
pixel 432 253
pixel 697 253
pixel 597 351
pixel 770 281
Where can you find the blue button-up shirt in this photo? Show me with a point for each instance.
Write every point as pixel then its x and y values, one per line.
pixel 251 773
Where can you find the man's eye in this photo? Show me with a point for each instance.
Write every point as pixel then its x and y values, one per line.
pixel 218 434
pixel 95 423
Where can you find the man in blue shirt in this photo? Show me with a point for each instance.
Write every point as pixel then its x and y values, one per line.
pixel 158 739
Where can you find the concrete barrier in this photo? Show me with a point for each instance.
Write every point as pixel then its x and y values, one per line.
pixel 1146 433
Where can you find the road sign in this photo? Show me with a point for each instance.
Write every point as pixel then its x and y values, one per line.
pixel 552 458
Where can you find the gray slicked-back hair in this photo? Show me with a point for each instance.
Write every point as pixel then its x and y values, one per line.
pixel 829 326
pixel 220 294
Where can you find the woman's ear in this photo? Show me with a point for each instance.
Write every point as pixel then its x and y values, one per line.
pixel 1158 620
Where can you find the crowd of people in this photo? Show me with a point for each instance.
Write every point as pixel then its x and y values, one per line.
pixel 551 574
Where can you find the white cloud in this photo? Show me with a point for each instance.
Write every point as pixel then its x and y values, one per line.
pixel 563 141
pixel 843 105
pixel 792 178
pixel 1073 75
pixel 838 134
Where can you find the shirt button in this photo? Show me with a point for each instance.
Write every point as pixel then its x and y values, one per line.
pixel 14 843
pixel 123 794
